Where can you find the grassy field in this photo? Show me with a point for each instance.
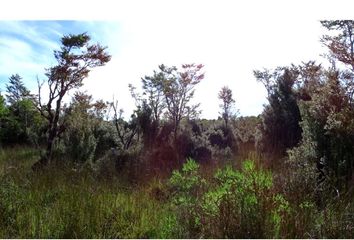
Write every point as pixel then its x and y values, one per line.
pixel 63 202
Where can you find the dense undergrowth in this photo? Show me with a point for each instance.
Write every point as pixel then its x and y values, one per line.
pixel 194 202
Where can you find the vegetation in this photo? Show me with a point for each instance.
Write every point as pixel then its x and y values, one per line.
pixel 80 170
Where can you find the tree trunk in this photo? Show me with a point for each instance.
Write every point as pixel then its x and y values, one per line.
pixel 53 132
pixel 49 149
pixel 46 158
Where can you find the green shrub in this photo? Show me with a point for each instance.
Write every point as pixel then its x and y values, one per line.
pixel 237 204
pixel 187 187
pixel 242 204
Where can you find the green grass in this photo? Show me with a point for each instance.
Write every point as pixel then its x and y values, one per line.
pixel 17 158
pixel 63 202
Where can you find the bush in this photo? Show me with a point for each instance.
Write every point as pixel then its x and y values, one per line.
pixel 187 187
pixel 237 204
pixel 242 204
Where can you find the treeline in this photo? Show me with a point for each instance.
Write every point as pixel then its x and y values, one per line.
pixel 286 173
pixel 162 132
pixel 307 127
pixel 310 117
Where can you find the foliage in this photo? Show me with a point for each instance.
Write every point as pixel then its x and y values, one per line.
pixel 187 188
pixel 280 127
pixel 85 137
pixel 328 122
pixel 126 131
pixel 178 89
pixel 16 90
pixel 233 205
pixel 245 128
pixel 75 60
pixel 242 204
pixel 212 141
pixel 3 113
pixel 101 185
pixel 63 203
pixel 227 111
pixel 153 90
pixel 21 122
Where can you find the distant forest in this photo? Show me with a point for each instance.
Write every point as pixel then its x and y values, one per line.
pixel 78 169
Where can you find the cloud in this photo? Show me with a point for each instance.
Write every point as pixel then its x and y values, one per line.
pixel 25 50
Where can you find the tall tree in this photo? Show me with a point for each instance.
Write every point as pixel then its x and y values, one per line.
pixel 280 119
pixel 75 60
pixel 327 112
pixel 16 90
pixel 227 106
pixel 23 120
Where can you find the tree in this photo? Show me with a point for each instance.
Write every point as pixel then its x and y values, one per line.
pixel 16 90
pixel 310 79
pixel 84 137
pixel 330 114
pixel 153 89
pixel 150 107
pixel 75 60
pixel 327 139
pixel 23 122
pixel 3 113
pixel 341 48
pixel 3 108
pixel 280 119
pixel 225 95
pixel 126 131
pixel 20 101
pixel 178 89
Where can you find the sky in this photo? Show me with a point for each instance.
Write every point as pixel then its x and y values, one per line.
pixel 231 38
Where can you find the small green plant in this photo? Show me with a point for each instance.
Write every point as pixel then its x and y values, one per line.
pixel 187 189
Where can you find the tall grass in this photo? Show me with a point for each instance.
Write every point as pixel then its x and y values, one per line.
pixel 63 202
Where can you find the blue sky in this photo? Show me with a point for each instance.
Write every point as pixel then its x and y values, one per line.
pixel 231 38
pixel 27 46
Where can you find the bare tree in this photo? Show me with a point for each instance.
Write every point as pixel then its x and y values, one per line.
pixel 126 131
pixel 75 60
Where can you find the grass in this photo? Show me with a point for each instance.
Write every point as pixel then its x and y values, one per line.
pixel 62 202
pixel 17 158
